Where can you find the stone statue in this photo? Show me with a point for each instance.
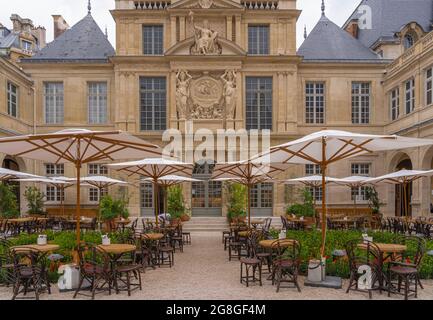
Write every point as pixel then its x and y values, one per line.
pixel 205 39
pixel 229 93
pixel 205 4
pixel 182 92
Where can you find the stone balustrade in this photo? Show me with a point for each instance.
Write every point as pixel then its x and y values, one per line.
pixel 260 5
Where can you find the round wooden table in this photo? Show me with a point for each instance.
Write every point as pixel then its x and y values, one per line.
pixel 267 244
pixel 117 248
pixel 243 234
pixel 35 247
pixel 152 236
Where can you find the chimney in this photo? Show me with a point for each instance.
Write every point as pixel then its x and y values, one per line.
pixel 40 33
pixel 16 23
pixel 353 28
pixel 60 25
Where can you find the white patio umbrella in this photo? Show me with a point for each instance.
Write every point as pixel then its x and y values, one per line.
pixel 248 173
pixel 402 177
pixel 352 182
pixel 154 168
pixel 312 182
pixel 7 174
pixel 79 146
pixel 59 184
pixel 326 147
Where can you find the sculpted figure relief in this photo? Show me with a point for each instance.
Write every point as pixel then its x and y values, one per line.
pixel 205 39
pixel 183 80
pixel 229 93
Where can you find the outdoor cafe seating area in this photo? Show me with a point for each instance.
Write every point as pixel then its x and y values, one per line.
pixel 393 267
pixel 103 267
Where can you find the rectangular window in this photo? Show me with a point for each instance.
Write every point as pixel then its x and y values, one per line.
pixel 429 86
pixel 153 38
pixel 313 170
pixel 97 102
pixel 360 169
pixel 361 102
pixel 316 193
pixel 314 102
pixel 54 194
pixel 146 195
pixel 394 102
pixel 27 45
pixel 410 95
pixel 97 170
pixel 259 103
pixel 153 108
pixel 262 195
pixel 95 194
pixel 258 40
pixel 53 96
pixel 12 93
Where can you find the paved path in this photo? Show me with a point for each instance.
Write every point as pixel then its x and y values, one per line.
pixel 203 272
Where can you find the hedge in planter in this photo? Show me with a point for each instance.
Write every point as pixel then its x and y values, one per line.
pixel 335 239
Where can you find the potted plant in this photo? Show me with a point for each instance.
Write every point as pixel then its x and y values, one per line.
pixel 304 209
pixel 176 204
pixel 8 202
pixel 35 201
pixel 237 196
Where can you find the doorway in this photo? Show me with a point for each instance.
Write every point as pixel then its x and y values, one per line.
pixel 399 191
pixel 11 164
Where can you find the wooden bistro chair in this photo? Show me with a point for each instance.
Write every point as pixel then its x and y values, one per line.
pixel 251 262
pixel 286 263
pixel 406 271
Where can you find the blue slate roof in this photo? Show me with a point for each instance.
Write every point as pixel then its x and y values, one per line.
pixel 329 42
pixel 389 16
pixel 85 41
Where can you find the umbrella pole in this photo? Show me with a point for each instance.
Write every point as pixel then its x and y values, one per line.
pixel 155 200
pixel 249 204
pixel 78 209
pixel 324 213
pixel 405 200
pixel 354 205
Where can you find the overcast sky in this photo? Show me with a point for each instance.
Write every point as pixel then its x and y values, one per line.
pixel 73 10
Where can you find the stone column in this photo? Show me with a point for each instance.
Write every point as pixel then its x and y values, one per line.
pixel 182 26
pixel 238 31
pixel 282 76
pixel 229 28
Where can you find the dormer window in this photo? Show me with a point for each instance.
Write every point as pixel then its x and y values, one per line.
pixel 27 45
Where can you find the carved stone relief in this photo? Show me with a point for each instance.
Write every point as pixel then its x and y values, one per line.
pixel 206 39
pixel 205 95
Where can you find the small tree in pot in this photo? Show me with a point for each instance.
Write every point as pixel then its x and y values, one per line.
pixel 35 201
pixel 112 209
pixel 176 203
pixel 236 204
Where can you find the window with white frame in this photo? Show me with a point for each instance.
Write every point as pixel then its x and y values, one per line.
pixel 54 194
pixel 315 102
pixel 394 102
pixel 12 93
pixel 153 103
pixel 27 45
pixel 146 195
pixel 54 102
pixel 313 169
pixel 259 103
pixel 410 95
pixel 360 169
pixel 97 102
pixel 429 86
pixel 361 100
pixel 96 169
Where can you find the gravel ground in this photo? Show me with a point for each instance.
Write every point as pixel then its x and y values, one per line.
pixel 203 271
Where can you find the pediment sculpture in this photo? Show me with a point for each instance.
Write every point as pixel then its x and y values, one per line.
pixel 206 39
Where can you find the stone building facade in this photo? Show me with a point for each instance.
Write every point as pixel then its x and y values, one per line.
pixel 234 64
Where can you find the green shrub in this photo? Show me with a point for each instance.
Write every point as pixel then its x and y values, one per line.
pixel 311 241
pixel 8 202
pixel 305 209
pixel 112 208
pixel 237 198
pixel 35 200
pixel 175 201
